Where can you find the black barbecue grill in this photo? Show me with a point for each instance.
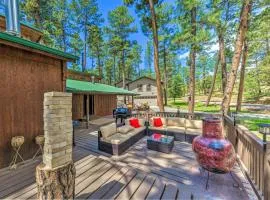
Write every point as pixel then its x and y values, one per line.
pixel 121 113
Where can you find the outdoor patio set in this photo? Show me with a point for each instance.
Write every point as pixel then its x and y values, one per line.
pixel 214 153
pixel 162 132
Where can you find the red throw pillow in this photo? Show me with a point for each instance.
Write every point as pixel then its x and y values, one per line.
pixel 157 122
pixel 134 123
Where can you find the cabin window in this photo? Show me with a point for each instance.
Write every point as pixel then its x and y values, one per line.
pixel 140 87
pixel 148 87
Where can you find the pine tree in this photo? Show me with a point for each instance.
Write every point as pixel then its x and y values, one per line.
pixel 87 15
pixel 148 58
pixel 121 25
pixel 147 13
pixel 192 33
pixel 246 9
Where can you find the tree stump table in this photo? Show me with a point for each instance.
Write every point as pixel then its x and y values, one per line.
pixel 56 184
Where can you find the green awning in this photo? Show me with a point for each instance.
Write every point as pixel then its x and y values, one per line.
pixel 75 86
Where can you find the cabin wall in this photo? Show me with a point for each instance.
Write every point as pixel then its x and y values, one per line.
pixel 77 106
pixel 24 78
pixel 104 104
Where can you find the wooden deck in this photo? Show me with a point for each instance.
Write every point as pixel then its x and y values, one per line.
pixel 138 174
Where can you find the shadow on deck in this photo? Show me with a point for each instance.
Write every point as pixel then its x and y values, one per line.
pixel 179 168
pixel 139 174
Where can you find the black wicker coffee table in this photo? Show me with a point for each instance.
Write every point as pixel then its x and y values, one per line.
pixel 161 143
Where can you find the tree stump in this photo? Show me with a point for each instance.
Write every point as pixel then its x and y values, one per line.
pixel 58 183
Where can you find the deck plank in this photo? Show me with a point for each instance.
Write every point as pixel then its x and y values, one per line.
pixel 91 178
pixel 131 187
pixel 144 188
pixel 30 190
pixel 156 190
pixel 118 186
pixel 95 185
pixel 170 192
pixel 108 185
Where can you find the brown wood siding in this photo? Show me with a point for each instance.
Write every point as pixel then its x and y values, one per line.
pixel 104 104
pixel 24 78
pixel 77 106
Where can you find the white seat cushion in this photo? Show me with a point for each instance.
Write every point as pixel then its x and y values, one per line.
pixel 108 130
pixel 176 129
pixel 174 121
pixel 124 129
pixel 116 138
pixel 195 124
pixel 194 131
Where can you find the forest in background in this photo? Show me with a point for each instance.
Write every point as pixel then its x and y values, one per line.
pixel 227 43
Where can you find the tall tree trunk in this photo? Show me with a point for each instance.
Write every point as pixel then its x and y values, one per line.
pixel 123 69
pixel 191 98
pixel 37 15
pixel 99 63
pixel 165 75
pixel 155 41
pixel 213 81
pixel 267 46
pixel 222 61
pixel 114 69
pixel 258 80
pixel 85 45
pixel 204 81
pixel 237 54
pixel 124 74
pixel 242 77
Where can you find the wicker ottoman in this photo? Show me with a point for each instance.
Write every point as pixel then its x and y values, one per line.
pixel 162 144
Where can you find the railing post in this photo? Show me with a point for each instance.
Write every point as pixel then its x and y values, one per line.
pixel 266 171
pixel 178 112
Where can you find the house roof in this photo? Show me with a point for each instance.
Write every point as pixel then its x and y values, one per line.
pixel 128 80
pixel 35 46
pixel 142 78
pixel 76 86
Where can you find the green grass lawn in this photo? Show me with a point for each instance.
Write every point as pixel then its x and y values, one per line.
pixel 251 124
pixel 199 106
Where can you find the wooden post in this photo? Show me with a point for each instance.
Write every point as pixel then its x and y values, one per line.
pixel 55 177
pixel 266 166
pixel 87 110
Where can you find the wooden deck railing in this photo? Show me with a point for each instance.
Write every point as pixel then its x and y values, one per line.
pixel 196 116
pixel 253 154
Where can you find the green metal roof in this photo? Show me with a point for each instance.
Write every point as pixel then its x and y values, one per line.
pixel 33 45
pixel 76 86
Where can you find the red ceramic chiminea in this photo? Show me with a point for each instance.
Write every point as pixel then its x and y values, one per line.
pixel 213 152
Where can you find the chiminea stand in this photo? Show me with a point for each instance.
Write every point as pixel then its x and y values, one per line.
pixel 236 184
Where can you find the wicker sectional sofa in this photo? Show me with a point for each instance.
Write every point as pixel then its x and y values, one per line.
pixel 116 140
pixel 182 129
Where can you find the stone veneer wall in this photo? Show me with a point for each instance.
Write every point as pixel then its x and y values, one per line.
pixel 57 129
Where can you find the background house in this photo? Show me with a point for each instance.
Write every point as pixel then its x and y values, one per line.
pixel 146 90
pixel 91 98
